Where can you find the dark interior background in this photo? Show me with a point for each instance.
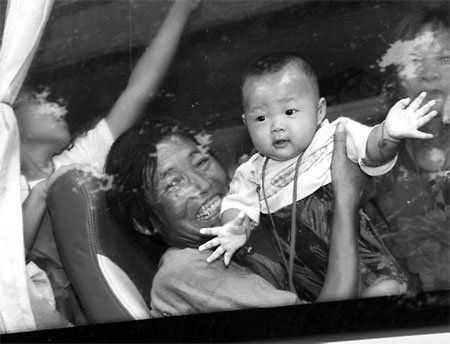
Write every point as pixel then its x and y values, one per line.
pixel 90 47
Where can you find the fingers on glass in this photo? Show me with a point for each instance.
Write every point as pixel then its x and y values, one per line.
pixel 422 136
pixel 208 231
pixel 216 254
pixel 426 118
pixel 210 244
pixel 416 102
pixel 227 258
pixel 425 109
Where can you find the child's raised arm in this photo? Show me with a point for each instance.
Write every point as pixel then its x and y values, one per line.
pixel 403 121
pixel 150 69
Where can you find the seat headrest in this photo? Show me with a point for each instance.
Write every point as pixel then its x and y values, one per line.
pixel 111 268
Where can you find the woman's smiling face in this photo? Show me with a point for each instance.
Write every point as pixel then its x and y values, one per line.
pixel 189 187
pixel 429 70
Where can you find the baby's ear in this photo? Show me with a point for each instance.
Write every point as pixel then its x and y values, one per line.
pixel 243 119
pixel 321 110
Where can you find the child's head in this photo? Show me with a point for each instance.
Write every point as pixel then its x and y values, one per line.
pixel 41 119
pixel 282 105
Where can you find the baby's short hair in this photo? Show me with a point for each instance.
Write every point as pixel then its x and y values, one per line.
pixel 273 63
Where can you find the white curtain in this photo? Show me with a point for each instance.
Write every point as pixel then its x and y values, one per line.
pixel 24 24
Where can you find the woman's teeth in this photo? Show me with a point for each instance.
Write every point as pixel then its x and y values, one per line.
pixel 209 209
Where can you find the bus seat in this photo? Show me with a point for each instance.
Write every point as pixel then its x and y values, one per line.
pixel 110 267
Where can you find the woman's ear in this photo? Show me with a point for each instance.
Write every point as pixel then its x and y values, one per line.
pixel 243 119
pixel 321 110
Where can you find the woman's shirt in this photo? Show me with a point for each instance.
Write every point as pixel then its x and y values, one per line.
pixel 413 213
pixel 186 284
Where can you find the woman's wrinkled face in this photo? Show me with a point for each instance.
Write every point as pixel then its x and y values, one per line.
pixel 189 187
pixel 427 68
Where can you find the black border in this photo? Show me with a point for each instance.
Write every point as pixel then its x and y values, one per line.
pixel 341 320
pixel 352 319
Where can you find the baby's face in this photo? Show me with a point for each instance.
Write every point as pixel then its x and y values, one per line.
pixel 282 112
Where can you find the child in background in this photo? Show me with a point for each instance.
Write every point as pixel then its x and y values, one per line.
pixel 45 137
pixel 288 180
pixel 413 200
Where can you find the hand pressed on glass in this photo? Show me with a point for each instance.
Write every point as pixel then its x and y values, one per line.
pixel 229 238
pixel 406 117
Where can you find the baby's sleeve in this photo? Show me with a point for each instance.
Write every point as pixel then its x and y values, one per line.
pixel 243 193
pixel 357 136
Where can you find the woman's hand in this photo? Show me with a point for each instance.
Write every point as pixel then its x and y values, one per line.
pixel 347 177
pixel 342 279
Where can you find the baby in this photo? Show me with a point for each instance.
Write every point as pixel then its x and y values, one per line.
pixel 287 183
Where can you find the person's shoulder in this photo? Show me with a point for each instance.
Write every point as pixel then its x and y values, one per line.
pixel 179 266
pixel 102 129
pixel 183 261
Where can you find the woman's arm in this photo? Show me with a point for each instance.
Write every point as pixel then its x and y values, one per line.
pixel 342 280
pixel 150 69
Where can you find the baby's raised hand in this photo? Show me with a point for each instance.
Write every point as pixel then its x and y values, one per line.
pixel 406 117
pixel 229 237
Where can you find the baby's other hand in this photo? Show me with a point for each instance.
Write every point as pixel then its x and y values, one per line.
pixel 229 237
pixel 406 117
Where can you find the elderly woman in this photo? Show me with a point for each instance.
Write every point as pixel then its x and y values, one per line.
pixel 167 183
pixel 414 201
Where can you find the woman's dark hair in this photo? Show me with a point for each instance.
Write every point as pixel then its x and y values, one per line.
pixel 412 23
pixel 40 92
pixel 132 163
